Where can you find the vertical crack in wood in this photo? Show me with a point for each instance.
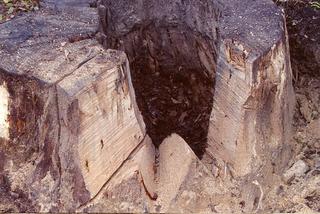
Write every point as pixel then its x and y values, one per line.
pixel 57 146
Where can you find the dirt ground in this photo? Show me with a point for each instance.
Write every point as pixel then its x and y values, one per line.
pixel 11 8
pixel 300 191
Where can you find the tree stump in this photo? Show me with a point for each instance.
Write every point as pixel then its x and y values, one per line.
pixel 68 118
pixel 235 67
pixel 192 109
pixel 250 124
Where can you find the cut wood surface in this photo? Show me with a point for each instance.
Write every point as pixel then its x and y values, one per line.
pixel 95 105
pixel 181 183
pixel 131 187
pixel 173 168
pixel 86 126
pixel 68 110
pixel 4 112
pixel 250 125
pixel 72 130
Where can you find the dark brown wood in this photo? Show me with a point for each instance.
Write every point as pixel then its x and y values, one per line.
pixel 173 62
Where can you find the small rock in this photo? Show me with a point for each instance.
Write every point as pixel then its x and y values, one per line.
pixel 124 206
pixel 297 170
pixel 305 109
pixel 215 170
pixel 300 137
pixel 189 196
pixel 313 129
pixel 317 163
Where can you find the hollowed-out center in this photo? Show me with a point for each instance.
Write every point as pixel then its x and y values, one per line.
pixel 174 89
pixel 172 60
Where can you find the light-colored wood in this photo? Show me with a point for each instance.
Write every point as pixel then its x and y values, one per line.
pixel 4 112
pixel 108 129
pixel 71 133
pixel 182 183
pixel 175 158
pixel 78 116
pixel 253 106
pixel 132 187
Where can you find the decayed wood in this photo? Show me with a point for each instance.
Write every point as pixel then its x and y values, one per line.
pixel 172 49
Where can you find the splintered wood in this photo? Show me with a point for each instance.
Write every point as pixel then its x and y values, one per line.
pixel 72 137
pixel 180 183
pixel 4 112
pixel 252 109
pixel 174 164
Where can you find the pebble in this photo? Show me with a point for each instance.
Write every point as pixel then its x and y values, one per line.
pixel 297 170
pixel 305 108
pixel 317 163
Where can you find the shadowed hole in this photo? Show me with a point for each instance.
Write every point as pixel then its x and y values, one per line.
pixel 173 71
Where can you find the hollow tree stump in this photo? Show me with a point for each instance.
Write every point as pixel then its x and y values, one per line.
pixel 244 51
pixel 172 50
pixel 75 119
pixel 241 104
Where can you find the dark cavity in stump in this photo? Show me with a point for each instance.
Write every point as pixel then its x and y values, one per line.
pixel 172 61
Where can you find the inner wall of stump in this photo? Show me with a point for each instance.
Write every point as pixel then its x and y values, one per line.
pixel 173 85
